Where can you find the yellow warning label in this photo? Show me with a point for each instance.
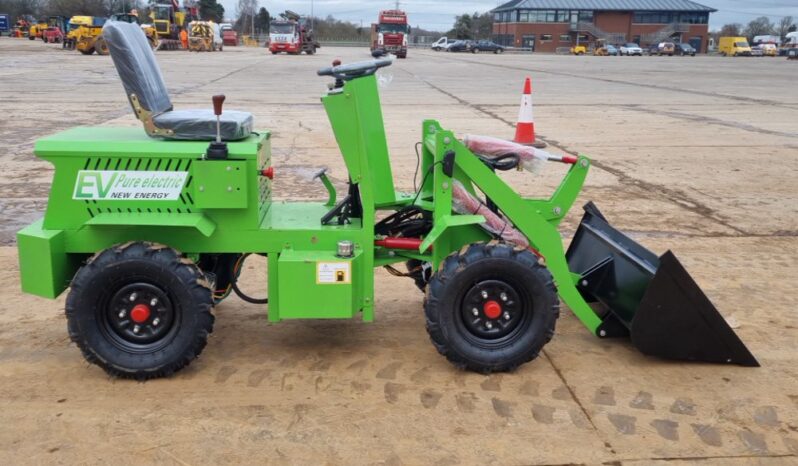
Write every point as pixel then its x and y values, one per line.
pixel 331 273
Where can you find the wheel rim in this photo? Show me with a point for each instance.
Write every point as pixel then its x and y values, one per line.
pixel 139 317
pixel 492 313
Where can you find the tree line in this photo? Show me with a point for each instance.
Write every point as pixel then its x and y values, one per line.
pixel 761 26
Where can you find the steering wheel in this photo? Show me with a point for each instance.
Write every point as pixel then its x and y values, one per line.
pixel 355 70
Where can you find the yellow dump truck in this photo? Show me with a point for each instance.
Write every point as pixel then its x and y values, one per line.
pixel 734 46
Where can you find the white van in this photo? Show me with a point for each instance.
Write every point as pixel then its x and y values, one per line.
pixel 217 38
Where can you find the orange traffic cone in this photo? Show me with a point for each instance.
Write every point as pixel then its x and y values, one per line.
pixel 525 128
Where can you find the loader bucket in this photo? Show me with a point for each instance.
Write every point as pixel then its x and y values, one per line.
pixel 651 299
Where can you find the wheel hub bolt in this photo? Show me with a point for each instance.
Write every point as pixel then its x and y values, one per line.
pixel 484 294
pixel 136 329
pixel 503 296
pixel 154 302
pixel 506 316
pixel 122 314
pixel 475 311
pixel 156 322
pixel 489 325
pixel 133 296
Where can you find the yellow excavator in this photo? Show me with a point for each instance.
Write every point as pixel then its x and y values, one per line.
pixel 169 19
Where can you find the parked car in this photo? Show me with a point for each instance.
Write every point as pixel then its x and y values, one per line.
pixel 229 36
pixel 442 44
pixel 631 49
pixel 662 48
pixel 612 50
pixel 769 50
pixel 486 46
pixel 460 46
pixel 756 51
pixel 685 49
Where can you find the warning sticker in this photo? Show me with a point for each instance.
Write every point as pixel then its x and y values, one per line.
pixel 333 272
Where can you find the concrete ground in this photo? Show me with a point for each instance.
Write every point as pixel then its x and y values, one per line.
pixel 693 154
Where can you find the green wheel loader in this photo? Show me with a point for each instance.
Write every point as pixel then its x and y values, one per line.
pixel 149 229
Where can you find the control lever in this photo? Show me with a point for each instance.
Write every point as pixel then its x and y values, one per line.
pixel 217 150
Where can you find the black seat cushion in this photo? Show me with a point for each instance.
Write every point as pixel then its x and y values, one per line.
pixel 135 62
pixel 201 124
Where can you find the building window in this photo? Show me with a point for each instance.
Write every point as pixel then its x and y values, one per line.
pixel 586 16
pixel 694 18
pixel 654 17
pixel 545 37
pixel 565 38
pixel 523 16
pixel 497 17
pixel 548 16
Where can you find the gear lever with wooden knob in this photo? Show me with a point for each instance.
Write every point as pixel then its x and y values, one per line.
pixel 217 150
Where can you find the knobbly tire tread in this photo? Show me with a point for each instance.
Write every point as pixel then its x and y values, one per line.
pixel 182 269
pixel 471 255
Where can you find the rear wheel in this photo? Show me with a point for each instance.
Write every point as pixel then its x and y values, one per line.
pixel 140 310
pixel 491 307
pixel 101 46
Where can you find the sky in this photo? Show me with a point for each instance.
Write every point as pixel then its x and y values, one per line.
pixel 438 15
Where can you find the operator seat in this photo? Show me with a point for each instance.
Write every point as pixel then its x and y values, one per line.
pixel 135 62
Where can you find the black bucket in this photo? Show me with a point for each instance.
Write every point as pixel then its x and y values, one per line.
pixel 651 299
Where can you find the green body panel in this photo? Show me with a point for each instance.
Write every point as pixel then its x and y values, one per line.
pixel 356 118
pixel 306 290
pixel 225 206
pixel 45 269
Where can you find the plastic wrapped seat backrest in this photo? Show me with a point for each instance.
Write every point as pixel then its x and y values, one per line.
pixel 136 65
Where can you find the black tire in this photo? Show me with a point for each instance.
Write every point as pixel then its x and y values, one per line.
pixel 527 315
pixel 101 310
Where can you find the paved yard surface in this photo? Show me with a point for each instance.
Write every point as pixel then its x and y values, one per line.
pixel 693 154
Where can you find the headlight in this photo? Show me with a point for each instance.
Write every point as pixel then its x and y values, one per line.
pixel 404 40
pixel 380 39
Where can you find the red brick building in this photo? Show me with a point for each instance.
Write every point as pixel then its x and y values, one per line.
pixel 548 25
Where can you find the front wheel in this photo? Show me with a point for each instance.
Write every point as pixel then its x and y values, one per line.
pixel 499 51
pixel 140 310
pixel 491 307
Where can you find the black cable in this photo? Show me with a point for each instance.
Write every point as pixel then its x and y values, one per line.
pixel 424 181
pixel 234 283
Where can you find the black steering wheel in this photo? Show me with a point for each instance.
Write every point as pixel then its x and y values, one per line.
pixel 355 70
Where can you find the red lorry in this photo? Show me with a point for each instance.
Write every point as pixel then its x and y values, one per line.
pixel 390 34
pixel 291 34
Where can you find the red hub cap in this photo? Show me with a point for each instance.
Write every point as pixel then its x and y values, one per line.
pixel 492 309
pixel 140 313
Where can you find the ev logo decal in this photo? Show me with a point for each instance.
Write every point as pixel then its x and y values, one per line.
pixel 108 185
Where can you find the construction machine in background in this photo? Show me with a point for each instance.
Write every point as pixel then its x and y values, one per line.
pixel 133 18
pixel 390 34
pixel 200 36
pixel 291 34
pixel 56 29
pixel 85 35
pixel 168 19
pixel 600 49
pixel 36 30
pixel 21 27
